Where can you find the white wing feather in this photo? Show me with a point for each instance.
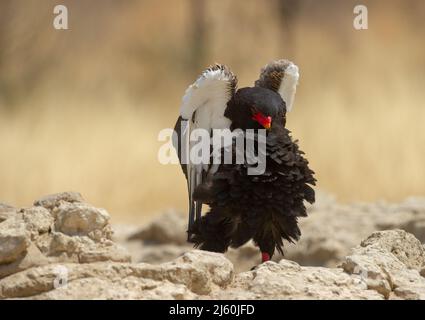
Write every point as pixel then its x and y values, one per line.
pixel 203 106
pixel 288 85
pixel 208 96
pixel 280 76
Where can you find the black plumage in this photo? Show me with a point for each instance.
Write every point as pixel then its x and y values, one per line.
pixel 263 207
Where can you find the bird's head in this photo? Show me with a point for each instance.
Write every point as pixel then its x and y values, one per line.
pixel 256 108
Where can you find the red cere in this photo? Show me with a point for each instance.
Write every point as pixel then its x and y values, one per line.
pixel 261 119
pixel 265 256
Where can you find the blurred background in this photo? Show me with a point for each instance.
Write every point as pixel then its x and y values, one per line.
pixel 80 109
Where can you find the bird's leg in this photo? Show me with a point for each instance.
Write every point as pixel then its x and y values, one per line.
pixel 265 257
pixel 266 246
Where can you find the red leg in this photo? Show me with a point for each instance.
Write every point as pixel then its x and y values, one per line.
pixel 265 256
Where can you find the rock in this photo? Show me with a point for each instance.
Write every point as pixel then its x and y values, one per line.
pixel 4 207
pixel 135 248
pixel 404 246
pixel 372 267
pixel 161 253
pixel 63 249
pixel 169 228
pixel 205 275
pixel 59 243
pixel 416 226
pixel 6 211
pixel 80 219
pixel 415 205
pixel 288 280
pixel 83 249
pixel 326 240
pixel 56 231
pixel 54 200
pixel 37 220
pixel 32 258
pixel 194 273
pixel 162 240
pixel 122 289
pixel 124 231
pixel 215 265
pixel 386 262
pixel 14 240
pixel 108 253
pixel 245 257
pixel 408 285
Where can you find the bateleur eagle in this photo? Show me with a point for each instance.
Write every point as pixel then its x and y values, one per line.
pixel 243 206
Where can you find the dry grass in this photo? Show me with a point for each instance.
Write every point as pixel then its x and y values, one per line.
pixel 110 157
pixel 358 114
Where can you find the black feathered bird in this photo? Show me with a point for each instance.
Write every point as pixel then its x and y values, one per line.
pixel 263 207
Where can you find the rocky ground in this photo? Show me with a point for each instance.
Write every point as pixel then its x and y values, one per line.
pixel 64 248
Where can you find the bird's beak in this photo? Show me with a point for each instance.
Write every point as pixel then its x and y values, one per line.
pixel 267 124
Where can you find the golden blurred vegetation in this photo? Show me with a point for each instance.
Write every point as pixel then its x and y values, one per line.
pixel 80 109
